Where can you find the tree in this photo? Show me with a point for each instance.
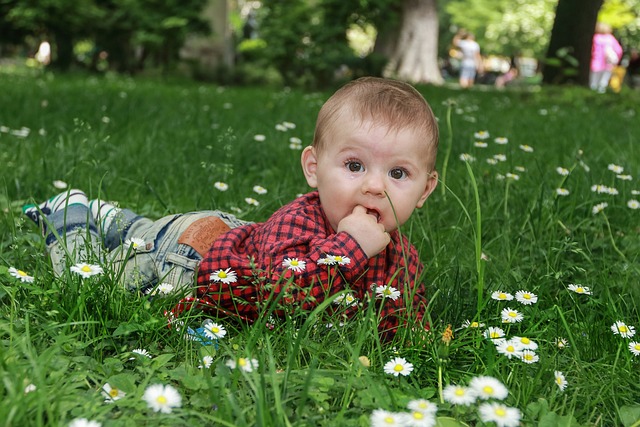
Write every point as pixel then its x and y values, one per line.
pixel 412 43
pixel 569 54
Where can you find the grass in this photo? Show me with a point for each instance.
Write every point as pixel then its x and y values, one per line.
pixel 158 148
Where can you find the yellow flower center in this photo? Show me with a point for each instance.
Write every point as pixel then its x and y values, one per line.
pixel 501 412
pixel 623 329
pixel 242 361
pixel 294 262
pixel 474 325
pixel 502 295
pixel 528 356
pixel 398 368
pixel 22 273
pixel 512 314
pixel 222 275
pixel 215 329
pixel 86 269
pixel 418 415
pixel 459 392
pixel 510 349
pixel 526 296
pixel 559 380
pixel 389 420
pixel 525 340
pixel 488 389
pixel 387 291
pixel 637 347
pixel 161 400
pixel 338 259
pixel 580 290
pixel 113 392
pixel 495 335
pixel 423 405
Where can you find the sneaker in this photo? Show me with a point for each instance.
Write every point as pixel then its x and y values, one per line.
pixel 54 204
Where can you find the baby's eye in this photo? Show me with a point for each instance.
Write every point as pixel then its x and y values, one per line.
pixel 398 173
pixel 354 166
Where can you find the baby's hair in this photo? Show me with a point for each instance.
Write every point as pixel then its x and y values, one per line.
pixel 387 102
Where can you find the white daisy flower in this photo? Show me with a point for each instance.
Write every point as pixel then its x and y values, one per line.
pixel 222 186
pixel 526 297
pixel 164 288
pixel 520 168
pixel 525 343
pixel 494 333
pixel 30 388
pixel 579 289
pixel 473 325
pixel 259 189
pixel 398 366
pixel 459 395
pixel 492 161
pixel 289 125
pixel 488 388
pixel 562 192
pixel 634 347
pixel 561 343
pixel 244 364
pixel 387 292
pixel 280 127
pixel 615 168
pixel 635 192
pixel 510 315
pixel 60 185
pixel 479 144
pixel 141 352
pixel 21 275
pixel 111 394
pixel 560 380
pixel 466 157
pixel 510 349
pixel 295 140
pixel 512 176
pixel 502 415
pixel 259 137
pixel 86 270
pixel 423 405
pixel 207 361
pixel 599 208
pixel 622 329
pixel 162 398
pixel 346 299
pixel 500 157
pixel 134 243
pixel 214 330
pixel 501 140
pixel 633 204
pixel 224 276
pixel 83 422
pixel 417 419
pixel 526 148
pixel 251 201
pixel 294 264
pixel 382 418
pixel 501 296
pixel 529 356
pixel 562 171
pixel 624 177
pixel 483 134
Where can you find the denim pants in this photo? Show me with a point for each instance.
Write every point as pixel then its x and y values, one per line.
pixel 72 236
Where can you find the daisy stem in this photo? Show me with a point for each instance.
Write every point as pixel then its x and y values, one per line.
pixel 440 383
pixel 506 199
pixel 447 153
pixel 613 242
pixel 478 239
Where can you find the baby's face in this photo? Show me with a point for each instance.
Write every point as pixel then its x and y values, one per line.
pixel 362 165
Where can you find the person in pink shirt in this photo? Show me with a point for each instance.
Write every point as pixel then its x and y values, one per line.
pixel 602 58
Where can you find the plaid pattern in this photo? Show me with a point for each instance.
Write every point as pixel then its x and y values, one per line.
pixel 255 253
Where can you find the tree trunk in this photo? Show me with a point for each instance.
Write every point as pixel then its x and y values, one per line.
pixel 414 57
pixel 569 54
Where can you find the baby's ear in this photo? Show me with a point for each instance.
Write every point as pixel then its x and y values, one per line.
pixel 309 162
pixel 431 185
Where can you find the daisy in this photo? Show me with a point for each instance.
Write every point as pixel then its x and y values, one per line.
pixel 500 157
pixel 459 395
pixel 488 388
pixel 511 316
pixel 294 264
pixel 259 137
pixel 512 176
pixel 135 243
pixel 340 260
pixel 501 296
pixel 526 148
pixel 525 343
pixel 207 361
pixel 60 185
pixel 162 398
pixel 470 324
pixel 501 140
pixel 510 349
pixel 417 419
pixel 165 288
pixel 246 365
pixel 479 144
pixel 502 415
pixel 635 192
pixel 562 192
pixel 492 161
pixel 222 186
pixel 259 189
pixel 214 330
pixel 423 405
pixel 295 140
pixel 529 356
pixel 346 299
pixel 466 157
pixel 280 127
pixel 251 201
pixel 526 297
pixel 483 134
pixel 624 177
pixel 19 274
pixel 111 394
pixel 30 388
pixel 225 276
pixel 625 331
pixel 86 270
pixel 141 352
pixel 615 168
pixel 633 204
pixel 387 292
pixel 382 418
pixel 634 347
pixel 579 289
pixel 521 168
pixel 398 366
pixel 560 380
pixel 562 171
pixel 494 333
pixel 83 422
pixel 561 343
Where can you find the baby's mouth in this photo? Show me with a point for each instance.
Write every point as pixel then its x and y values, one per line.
pixel 374 213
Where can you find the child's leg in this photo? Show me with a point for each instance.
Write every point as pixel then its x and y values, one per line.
pixel 114 223
pixel 69 230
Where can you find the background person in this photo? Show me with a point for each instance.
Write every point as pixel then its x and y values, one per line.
pixel 470 61
pixel 605 55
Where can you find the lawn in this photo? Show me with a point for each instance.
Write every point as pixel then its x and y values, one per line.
pixel 536 220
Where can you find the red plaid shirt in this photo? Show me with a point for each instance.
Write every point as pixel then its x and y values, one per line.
pixel 300 231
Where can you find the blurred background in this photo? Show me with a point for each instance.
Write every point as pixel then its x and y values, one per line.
pixel 317 43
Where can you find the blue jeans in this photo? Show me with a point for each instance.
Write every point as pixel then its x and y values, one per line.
pixel 72 236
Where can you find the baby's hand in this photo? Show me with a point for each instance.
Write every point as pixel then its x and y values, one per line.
pixel 364 227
